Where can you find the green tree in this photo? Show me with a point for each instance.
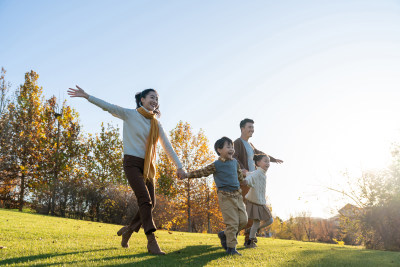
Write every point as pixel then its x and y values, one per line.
pixel 103 165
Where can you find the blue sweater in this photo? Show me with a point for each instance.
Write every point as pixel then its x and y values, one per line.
pixel 226 175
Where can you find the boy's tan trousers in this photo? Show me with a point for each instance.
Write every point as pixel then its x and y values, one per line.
pixel 234 214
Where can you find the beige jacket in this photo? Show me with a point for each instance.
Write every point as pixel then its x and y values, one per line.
pixel 257 181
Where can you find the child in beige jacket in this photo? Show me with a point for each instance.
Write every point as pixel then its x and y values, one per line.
pixel 256 199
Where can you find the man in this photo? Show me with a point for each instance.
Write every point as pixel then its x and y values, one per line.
pixel 244 153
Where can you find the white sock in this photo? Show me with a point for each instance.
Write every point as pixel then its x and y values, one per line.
pixel 254 228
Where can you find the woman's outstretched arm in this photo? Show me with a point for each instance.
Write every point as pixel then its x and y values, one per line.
pixel 115 110
pixel 165 143
pixel 77 92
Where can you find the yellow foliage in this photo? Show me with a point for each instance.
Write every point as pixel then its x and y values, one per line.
pixel 339 242
pixel 192 200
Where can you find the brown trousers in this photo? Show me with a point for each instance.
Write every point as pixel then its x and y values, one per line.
pixel 234 215
pixel 144 191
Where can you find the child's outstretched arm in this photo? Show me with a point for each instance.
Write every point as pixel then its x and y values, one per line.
pixel 249 180
pixel 204 172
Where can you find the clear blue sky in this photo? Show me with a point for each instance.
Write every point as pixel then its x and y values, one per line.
pixel 320 78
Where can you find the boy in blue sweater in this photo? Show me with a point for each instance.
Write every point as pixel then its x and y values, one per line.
pixel 227 177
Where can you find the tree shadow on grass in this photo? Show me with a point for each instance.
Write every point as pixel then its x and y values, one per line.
pixel 347 257
pixel 188 256
pixel 25 259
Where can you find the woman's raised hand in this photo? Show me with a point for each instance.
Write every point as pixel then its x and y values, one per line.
pixel 79 92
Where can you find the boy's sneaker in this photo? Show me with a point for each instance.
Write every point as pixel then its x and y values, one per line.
pixel 252 243
pixel 233 251
pixel 222 237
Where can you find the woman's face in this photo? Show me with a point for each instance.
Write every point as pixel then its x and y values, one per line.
pixel 150 102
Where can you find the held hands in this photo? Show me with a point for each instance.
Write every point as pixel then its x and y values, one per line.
pixel 181 174
pixel 244 172
pixel 79 92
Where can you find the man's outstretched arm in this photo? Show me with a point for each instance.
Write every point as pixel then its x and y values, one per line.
pixel 272 159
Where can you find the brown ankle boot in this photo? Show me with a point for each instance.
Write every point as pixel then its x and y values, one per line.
pixel 152 245
pixel 122 230
pixel 126 233
pixel 125 238
pixel 134 227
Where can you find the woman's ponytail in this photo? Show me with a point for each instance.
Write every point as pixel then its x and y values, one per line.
pixel 138 97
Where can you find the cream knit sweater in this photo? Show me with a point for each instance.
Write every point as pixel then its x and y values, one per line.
pixel 257 180
pixel 136 130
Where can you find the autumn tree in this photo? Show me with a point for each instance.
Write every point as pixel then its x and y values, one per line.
pixel 192 197
pixel 47 162
pixel 60 147
pixel 326 230
pixel 215 221
pixel 308 224
pixel 373 216
pixel 4 92
pixel 7 169
pixel 103 166
pixel 27 133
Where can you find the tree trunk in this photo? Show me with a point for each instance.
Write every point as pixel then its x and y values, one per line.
pixel 48 205
pixel 208 212
pixel 21 193
pixel 55 179
pixel 188 204
pixel 63 204
pixel 98 211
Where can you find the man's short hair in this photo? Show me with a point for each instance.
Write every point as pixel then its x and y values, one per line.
pixel 221 142
pixel 243 122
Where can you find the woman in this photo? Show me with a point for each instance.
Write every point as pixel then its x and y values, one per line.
pixel 141 131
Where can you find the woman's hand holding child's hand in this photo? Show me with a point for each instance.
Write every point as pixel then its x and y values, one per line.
pixel 244 182
pixel 181 174
pixel 184 176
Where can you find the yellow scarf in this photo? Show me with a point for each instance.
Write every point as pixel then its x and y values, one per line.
pixel 149 170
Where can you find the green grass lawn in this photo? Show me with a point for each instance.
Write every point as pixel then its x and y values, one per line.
pixel 31 239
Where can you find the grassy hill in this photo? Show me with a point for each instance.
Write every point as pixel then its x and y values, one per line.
pixel 31 239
